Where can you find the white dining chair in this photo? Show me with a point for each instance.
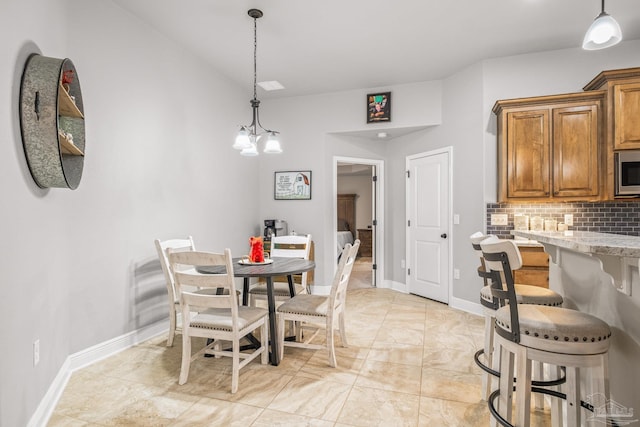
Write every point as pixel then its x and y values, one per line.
pixel 215 316
pixel 298 246
pixel 320 312
pixel 177 245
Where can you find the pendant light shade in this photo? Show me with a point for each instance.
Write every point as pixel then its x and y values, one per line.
pixel 603 32
pixel 248 136
pixel 250 151
pixel 272 145
pixel 242 139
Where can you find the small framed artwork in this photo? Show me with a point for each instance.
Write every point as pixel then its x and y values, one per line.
pixel 379 107
pixel 292 185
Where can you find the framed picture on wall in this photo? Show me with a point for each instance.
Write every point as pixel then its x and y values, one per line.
pixel 292 185
pixel 379 107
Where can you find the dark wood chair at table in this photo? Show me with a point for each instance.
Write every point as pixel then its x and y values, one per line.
pixel 216 316
pixel 525 333
pixel 319 312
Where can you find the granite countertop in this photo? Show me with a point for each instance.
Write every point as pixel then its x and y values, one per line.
pixel 587 242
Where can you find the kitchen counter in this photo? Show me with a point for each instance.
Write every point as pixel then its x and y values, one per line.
pixel 587 242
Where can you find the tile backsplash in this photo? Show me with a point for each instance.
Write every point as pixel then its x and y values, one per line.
pixel 602 217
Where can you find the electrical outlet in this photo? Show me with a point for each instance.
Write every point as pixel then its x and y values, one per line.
pixel 568 219
pixel 499 219
pixel 402 264
pixel 36 352
pixel 456 273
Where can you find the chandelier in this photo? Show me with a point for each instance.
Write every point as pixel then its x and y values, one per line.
pixel 248 136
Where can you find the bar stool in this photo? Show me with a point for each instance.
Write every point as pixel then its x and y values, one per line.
pixel 525 294
pixel 554 335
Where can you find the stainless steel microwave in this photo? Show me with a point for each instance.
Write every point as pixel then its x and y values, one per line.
pixel 627 169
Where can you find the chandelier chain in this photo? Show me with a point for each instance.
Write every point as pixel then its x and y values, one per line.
pixel 255 57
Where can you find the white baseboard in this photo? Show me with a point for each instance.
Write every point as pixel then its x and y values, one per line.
pixel 468 306
pixel 396 286
pixel 84 358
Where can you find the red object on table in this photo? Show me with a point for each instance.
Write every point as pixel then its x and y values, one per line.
pixel 257 250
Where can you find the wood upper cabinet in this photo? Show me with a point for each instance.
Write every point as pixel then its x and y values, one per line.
pixel 526 153
pixel 549 147
pixel 623 106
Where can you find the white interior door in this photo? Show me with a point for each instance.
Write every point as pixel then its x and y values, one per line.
pixel 428 225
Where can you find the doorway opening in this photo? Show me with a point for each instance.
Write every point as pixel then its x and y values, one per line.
pixel 357 195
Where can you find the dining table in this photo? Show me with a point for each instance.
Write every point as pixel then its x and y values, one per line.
pixel 273 267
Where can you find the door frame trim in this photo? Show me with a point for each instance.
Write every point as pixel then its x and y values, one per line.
pixel 449 151
pixel 379 214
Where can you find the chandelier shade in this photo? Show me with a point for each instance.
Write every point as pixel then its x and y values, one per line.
pixel 248 136
pixel 604 32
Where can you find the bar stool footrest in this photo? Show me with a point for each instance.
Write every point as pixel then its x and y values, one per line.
pixel 553 393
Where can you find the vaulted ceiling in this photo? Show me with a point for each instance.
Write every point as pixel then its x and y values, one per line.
pixel 335 45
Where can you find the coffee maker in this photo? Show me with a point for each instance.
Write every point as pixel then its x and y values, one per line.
pixel 274 227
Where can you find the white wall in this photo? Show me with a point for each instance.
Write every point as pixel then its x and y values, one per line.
pixel 79 267
pixel 314 130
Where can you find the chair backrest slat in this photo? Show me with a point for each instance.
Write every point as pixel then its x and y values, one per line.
pixel 211 287
pixel 298 246
pixel 338 293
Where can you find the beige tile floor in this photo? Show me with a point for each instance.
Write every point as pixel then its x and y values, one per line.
pixel 409 363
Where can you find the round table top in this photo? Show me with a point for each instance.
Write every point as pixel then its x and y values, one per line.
pixel 279 267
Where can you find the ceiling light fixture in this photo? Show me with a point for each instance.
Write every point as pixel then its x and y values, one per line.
pixel 248 136
pixel 603 32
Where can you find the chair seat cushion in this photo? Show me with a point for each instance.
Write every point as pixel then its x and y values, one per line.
pixel 557 329
pixel 528 294
pixel 313 305
pixel 220 318
pixel 280 289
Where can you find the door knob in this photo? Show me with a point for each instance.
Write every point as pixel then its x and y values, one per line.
pixel 443 235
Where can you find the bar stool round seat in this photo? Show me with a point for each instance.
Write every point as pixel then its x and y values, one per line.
pixel 527 334
pixel 556 329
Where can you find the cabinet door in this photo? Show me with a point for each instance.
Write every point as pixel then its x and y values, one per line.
pixel 575 151
pixel 528 153
pixel 627 116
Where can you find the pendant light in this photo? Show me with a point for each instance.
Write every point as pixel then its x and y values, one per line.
pixel 603 32
pixel 248 136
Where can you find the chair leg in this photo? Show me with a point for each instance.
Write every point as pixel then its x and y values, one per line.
pixel 172 325
pixel 186 358
pixel 573 396
pixel 488 356
pixel 556 403
pixel 538 374
pixel 330 343
pixel 343 331
pixel 264 343
pixel 235 373
pixel 506 383
pixel 523 387
pixel 280 321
